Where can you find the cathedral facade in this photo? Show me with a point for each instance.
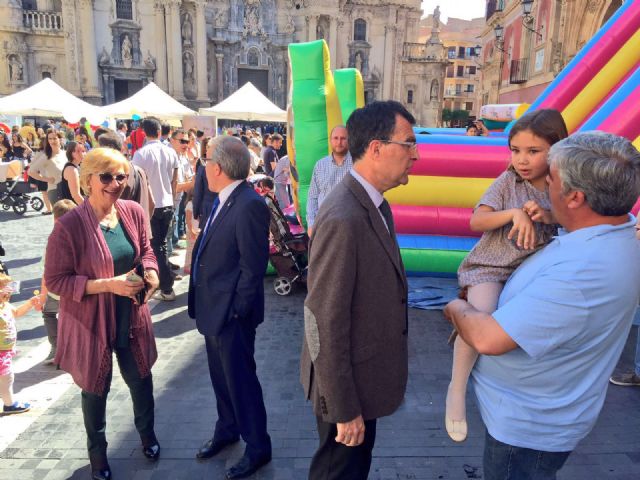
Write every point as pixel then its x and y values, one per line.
pixel 201 51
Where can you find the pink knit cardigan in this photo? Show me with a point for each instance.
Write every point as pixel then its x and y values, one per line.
pixel 76 253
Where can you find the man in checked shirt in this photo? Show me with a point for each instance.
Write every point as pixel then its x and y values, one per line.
pixel 328 172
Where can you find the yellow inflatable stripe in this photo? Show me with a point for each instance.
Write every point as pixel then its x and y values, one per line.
pixel 334 114
pixel 636 143
pixel 439 191
pixel 602 83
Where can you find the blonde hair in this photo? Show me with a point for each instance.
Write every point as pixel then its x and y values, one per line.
pixel 4 281
pixel 100 160
pixel 61 207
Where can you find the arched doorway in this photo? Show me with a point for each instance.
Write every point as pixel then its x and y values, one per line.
pixel 615 5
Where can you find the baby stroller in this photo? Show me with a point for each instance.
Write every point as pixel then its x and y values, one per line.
pixel 288 251
pixel 14 191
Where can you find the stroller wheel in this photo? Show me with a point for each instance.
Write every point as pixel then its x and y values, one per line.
pixel 6 206
pixel 20 207
pixel 36 203
pixel 282 286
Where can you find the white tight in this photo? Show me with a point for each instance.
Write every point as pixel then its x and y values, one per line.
pixel 483 297
pixel 6 388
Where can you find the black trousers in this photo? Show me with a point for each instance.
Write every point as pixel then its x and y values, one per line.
pixel 240 405
pixel 160 223
pixel 336 461
pixel 94 406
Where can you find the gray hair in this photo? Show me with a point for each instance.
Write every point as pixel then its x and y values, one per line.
pixel 254 142
pixel 232 155
pixel 605 167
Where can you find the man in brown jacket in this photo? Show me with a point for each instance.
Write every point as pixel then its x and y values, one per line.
pixel 354 357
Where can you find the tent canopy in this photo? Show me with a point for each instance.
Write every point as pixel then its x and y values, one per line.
pixel 48 99
pixel 151 101
pixel 249 104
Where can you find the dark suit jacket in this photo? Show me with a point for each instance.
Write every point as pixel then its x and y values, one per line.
pixel 231 267
pixel 354 357
pixel 203 198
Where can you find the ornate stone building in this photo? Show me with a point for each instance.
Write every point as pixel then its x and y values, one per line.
pixel 200 51
pixel 530 50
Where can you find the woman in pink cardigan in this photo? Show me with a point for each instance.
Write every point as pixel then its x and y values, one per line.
pixel 91 258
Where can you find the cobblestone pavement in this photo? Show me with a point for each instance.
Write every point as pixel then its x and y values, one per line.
pixel 49 443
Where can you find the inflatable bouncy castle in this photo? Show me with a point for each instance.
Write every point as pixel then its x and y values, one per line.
pixel 598 90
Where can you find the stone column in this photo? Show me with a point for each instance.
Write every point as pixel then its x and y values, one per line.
pixel 68 77
pixel 219 81
pixel 387 78
pixel 312 26
pixel 160 38
pixel 174 47
pixel 333 42
pixel 90 84
pixel 201 55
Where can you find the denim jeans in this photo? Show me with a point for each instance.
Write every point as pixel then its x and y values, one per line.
pixel 506 462
pixel 160 222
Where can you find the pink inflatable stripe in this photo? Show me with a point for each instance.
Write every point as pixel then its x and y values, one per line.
pixel 625 119
pixel 635 209
pixel 412 220
pixel 596 59
pixel 461 160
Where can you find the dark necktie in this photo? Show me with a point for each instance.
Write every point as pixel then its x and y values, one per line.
pixel 214 207
pixel 385 209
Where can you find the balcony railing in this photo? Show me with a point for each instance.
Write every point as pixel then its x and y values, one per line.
pixel 42 21
pixel 519 71
pixel 494 6
pixel 415 51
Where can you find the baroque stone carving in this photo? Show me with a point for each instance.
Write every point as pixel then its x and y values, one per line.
pixel 16 70
pixel 252 19
pixel 127 57
pixel 187 30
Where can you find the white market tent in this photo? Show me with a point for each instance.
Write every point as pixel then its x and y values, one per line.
pixel 151 101
pixel 248 104
pixel 48 99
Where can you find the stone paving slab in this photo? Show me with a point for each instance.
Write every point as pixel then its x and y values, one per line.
pixel 49 443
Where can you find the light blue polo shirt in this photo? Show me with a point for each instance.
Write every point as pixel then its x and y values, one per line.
pixel 569 308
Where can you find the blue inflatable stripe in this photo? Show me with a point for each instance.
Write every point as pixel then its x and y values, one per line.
pixel 462 140
pixel 434 242
pixel 440 131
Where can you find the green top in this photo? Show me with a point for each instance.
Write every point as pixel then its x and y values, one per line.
pixel 123 255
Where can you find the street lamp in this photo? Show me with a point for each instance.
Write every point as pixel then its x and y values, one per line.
pixel 499 32
pixel 528 19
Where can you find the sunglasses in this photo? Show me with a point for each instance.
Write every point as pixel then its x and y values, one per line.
pixel 184 141
pixel 106 178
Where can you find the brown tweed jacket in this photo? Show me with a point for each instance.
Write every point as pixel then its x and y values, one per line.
pixel 354 355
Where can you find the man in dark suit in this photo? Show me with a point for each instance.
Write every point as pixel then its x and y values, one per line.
pixel 226 298
pixel 354 359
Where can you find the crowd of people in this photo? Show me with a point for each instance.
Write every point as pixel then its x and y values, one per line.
pixel 544 313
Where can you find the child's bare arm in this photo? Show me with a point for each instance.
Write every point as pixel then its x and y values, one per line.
pixel 25 307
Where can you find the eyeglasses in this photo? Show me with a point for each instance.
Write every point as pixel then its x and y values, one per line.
pixel 409 145
pixel 106 178
pixel 184 141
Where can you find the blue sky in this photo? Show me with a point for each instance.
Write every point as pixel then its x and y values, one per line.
pixel 466 9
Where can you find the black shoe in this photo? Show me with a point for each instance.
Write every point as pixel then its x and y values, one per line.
pixel 213 447
pixel 246 467
pixel 101 474
pixel 152 452
pixel 174 266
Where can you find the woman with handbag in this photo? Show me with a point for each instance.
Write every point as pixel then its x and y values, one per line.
pixel 104 281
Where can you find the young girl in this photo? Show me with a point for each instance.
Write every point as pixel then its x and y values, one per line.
pixel 514 214
pixel 192 232
pixel 8 335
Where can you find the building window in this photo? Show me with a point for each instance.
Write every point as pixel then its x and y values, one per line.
pixel 360 30
pixel 460 52
pixel 456 105
pixel 451 52
pixel 29 4
pixel 46 75
pixel 458 89
pixel 124 9
pixel 470 88
pixel 468 106
pixel 253 58
pixel 460 71
pixel 409 96
pixel 450 71
pixel 472 70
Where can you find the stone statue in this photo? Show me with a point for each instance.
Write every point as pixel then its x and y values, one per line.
pixel 436 18
pixel 358 61
pixel 150 61
pixel 319 32
pixel 279 83
pixel 435 89
pixel 187 29
pixel 127 58
pixel 290 27
pixel 252 20
pixel 16 71
pixel 104 58
pixel 187 63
